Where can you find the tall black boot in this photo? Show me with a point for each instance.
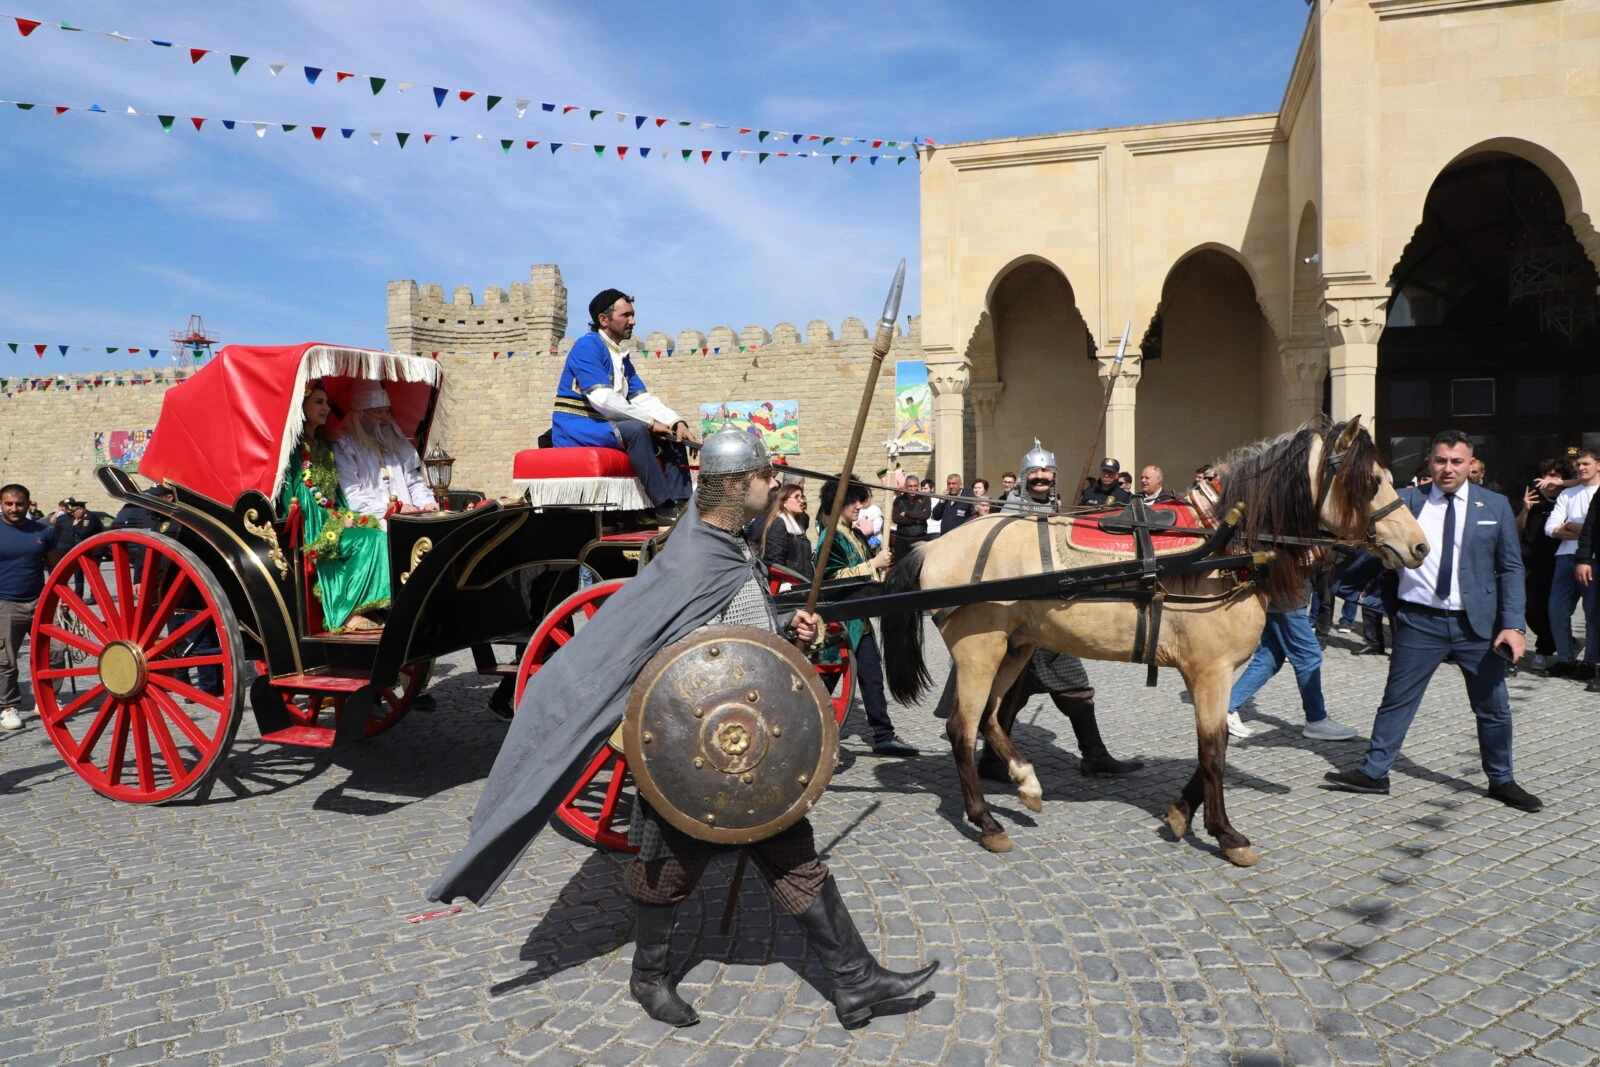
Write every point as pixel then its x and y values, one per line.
pixel 859 981
pixel 1094 757
pixel 652 984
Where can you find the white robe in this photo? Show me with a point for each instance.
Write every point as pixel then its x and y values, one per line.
pixel 368 484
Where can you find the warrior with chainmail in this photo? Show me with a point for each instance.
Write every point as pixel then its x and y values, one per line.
pixel 705 575
pixel 1062 676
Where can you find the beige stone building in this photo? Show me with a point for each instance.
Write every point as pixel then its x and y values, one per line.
pixel 1407 238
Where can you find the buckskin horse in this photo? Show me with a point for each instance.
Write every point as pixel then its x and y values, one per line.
pixel 1288 489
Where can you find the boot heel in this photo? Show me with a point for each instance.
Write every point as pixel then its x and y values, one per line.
pixel 855 1018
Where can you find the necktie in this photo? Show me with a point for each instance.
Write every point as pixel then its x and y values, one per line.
pixel 1447 557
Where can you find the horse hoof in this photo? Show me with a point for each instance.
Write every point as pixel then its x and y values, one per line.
pixel 1000 842
pixel 1177 821
pixel 1243 856
pixel 1033 804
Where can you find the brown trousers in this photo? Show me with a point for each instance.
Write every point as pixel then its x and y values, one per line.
pixel 788 864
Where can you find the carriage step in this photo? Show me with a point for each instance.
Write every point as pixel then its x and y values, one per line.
pixel 332 682
pixel 304 736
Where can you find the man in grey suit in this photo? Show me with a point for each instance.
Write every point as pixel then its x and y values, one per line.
pixel 1463 604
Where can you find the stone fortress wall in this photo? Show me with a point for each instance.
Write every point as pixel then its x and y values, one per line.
pixel 501 359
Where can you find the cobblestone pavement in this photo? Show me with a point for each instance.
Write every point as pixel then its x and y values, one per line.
pixel 268 924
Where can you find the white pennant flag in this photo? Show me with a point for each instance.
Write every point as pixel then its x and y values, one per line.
pixel 845 140
pixel 376 135
pixel 621 117
pixel 131 111
pixel 480 137
pixel 260 128
pixel 115 36
pixel 403 86
pixel 522 108
pixel 276 68
pixel 704 126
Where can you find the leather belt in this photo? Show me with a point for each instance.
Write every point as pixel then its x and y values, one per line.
pixel 1427 610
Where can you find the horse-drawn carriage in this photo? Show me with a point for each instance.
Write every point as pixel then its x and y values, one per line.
pixel 181 624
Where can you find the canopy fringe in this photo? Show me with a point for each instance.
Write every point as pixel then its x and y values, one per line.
pixel 624 494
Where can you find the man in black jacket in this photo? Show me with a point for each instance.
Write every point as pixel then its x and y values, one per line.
pixel 1107 492
pixel 952 513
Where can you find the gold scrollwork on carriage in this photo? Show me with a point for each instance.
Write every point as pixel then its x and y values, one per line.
pixel 264 530
pixel 420 548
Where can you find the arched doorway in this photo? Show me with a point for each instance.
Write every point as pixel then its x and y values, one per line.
pixel 1051 386
pixel 1492 327
pixel 1202 387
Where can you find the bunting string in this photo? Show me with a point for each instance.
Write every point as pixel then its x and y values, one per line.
pixel 377 84
pixel 20 348
pixel 400 138
pixel 64 383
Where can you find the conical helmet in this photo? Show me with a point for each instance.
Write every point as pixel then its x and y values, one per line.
pixel 733 451
pixel 1038 459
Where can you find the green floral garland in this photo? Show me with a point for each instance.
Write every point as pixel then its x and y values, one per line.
pixel 320 475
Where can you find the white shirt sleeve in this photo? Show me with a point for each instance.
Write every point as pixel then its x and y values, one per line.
pixel 647 401
pixel 616 407
pixel 1558 514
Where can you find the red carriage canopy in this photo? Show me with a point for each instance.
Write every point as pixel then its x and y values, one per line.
pixel 231 426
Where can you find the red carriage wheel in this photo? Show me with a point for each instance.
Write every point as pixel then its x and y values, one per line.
pixel 607 773
pixel 839 675
pixel 139 730
pixel 391 705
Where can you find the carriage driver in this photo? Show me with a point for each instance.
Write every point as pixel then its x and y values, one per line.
pixel 1056 673
pixel 601 402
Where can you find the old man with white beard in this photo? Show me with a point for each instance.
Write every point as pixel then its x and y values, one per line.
pixel 379 470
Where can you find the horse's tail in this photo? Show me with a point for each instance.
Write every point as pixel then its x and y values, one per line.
pixel 902 633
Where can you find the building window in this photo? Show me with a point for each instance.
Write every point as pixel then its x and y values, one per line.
pixel 1539 396
pixel 1405 457
pixel 1471 397
pixel 1410 399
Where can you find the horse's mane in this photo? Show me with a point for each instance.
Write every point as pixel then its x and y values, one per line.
pixel 1270 480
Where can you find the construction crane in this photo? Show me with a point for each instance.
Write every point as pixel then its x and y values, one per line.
pixel 193 344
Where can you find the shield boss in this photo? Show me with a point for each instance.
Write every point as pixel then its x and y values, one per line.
pixel 730 735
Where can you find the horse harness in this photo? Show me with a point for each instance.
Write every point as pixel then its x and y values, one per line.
pixel 1332 462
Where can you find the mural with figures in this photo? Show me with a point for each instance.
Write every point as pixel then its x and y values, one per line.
pixel 121 448
pixel 913 407
pixel 776 421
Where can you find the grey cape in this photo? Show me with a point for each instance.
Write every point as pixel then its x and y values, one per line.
pixel 573 704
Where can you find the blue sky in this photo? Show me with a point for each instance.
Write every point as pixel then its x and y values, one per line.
pixel 116 232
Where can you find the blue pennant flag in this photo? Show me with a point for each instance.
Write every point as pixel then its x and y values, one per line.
pixel 96 107
pixel 63 349
pixel 796 138
pixel 548 107
pixel 162 44
pixel 638 121
pixel 555 145
pixel 725 156
pixel 228 123
pixel 438 96
pixel 644 153
pixel 312 73
pixel 345 133
pixel 154 352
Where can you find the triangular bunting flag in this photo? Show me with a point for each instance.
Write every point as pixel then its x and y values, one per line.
pixel 744 129
pixel 25 26
pixel 456 137
pixel 238 62
pixel 39 349
pixel 622 151
pixel 341 75
pixel 130 110
pixel 546 107
pixel 813 137
pixel 402 138
pixel 491 101
pixel 796 138
pixel 762 158
pixel 877 144
pixel 639 121
pixel 197 54
pixel 289 127
pixel 61 110
pixel 228 123
pixel 531 144
pixel 725 156
pixel 505 146
pixel 439 95
pixel 466 94
pixel 686 154
pixel 593 113
pixel 644 153
pixel 599 149
pixel 260 128
pixel 403 86
pixel 29 107
pixel 762 136
pixel 312 73
pixel 854 158
pixel 63 349
pixel 166 121
pixel 345 132
pixel 161 44
pixel 97 107
pixel 621 117
pixel 154 352
pixel 318 131
pixel 553 146
pixel 872 160
pixel 835 159
pixel 705 155
pixel 377 84
pixel 427 138
pixel 376 135
pixel 276 68
pixel 12 344
pixel 825 141
pixel 135 351
pixel 198 122
pixel 660 123
pixel 899 161
pixel 569 107
pixel 522 108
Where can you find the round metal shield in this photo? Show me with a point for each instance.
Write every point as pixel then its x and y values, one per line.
pixel 730 735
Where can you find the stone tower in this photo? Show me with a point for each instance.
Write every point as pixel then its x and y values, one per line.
pixel 531 318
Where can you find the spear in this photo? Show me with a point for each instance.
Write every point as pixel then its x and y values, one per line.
pixel 1105 406
pixel 880 348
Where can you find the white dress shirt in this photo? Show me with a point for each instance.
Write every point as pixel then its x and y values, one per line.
pixel 1417 586
pixel 1571 506
pixel 369 482
pixel 614 402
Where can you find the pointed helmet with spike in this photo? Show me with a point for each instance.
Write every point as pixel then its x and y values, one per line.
pixel 1038 459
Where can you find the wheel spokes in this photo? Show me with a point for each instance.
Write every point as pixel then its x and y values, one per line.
pixel 90 569
pixel 151 714
pixel 163 610
pixel 65 672
pixel 85 614
pixel 91 736
pixel 119 744
pixel 72 640
pixel 188 692
pixel 143 764
pixel 197 620
pixel 190 728
pixel 122 570
pixel 560 637
pixel 185 663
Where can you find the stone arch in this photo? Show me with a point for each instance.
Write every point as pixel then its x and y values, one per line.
pixel 1034 372
pixel 1206 392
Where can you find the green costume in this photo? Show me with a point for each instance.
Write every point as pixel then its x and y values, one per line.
pixel 352 561
pixel 849 557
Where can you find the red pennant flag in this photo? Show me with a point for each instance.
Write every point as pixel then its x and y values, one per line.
pixel 569 107
pixel 466 94
pixel 427 138
pixel 26 26
pixel 622 151
pixel 197 54
pixel 60 109
pixel 40 350
pixel 532 143
pixel 341 75
pixel 854 158
pixel 744 129
pixel 198 122
pixel 660 123
pixel 135 351
pixel 705 156
pixel 877 144
pixel 318 131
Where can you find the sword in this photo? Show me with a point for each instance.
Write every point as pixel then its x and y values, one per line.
pixel 880 348
pixel 1105 406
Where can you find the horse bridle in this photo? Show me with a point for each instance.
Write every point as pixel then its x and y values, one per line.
pixel 1331 463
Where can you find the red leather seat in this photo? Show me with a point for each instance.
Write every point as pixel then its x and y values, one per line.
pixel 536 463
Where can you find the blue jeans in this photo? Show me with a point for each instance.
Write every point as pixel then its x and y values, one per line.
pixel 1422 641
pixel 1564 594
pixel 663 483
pixel 1287 636
pixel 1347 615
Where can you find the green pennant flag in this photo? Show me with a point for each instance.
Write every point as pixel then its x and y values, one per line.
pixel 402 138
pixel 899 161
pixel 686 155
pixel 287 126
pixel 825 141
pixel 111 351
pixel 835 160
pixel 12 345
pixel 24 107
pixel 377 84
pixel 505 146
pixel 762 135
pixel 238 62
pixel 762 158
pixel 892 144
pixel 166 122
pixel 492 101
pixel 741 348
pixel 599 149
pixel 593 113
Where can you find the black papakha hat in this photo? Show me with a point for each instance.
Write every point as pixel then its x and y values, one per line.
pixel 604 301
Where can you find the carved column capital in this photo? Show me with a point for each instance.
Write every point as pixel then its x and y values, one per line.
pixel 1132 368
pixel 985 395
pixel 1304 362
pixel 1354 318
pixel 949 379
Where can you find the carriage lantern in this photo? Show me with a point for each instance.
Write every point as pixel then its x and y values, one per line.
pixel 438 463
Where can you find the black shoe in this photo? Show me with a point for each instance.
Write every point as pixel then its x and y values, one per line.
pixel 1356 782
pixel 668 513
pixel 1107 764
pixel 893 746
pixel 500 706
pixel 651 983
pixel 860 983
pixel 1562 669
pixel 1368 650
pixel 1593 686
pixel 1583 672
pixel 1513 795
pixel 992 767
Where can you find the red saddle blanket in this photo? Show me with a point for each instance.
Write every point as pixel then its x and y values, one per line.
pixel 1086 535
pixel 535 463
